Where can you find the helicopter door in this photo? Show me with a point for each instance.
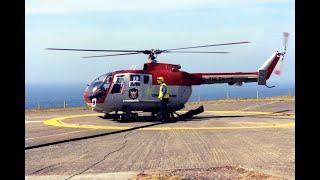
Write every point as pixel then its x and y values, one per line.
pixel 135 87
pixel 146 90
pixel 118 84
pixel 116 93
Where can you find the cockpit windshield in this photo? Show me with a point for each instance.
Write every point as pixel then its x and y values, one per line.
pixel 100 86
pixel 103 80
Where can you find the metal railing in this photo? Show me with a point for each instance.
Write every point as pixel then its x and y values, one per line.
pixel 46 104
pixel 228 94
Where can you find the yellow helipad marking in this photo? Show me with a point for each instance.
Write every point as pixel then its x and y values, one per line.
pixel 253 113
pixel 58 122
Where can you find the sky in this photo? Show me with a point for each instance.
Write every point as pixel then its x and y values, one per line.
pixel 144 24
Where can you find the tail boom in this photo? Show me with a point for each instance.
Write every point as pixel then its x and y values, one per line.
pixel 261 75
pixel 237 78
pixel 231 78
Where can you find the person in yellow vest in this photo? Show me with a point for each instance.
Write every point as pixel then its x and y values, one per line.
pixel 164 95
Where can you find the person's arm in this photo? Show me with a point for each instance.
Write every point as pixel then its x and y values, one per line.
pixel 164 90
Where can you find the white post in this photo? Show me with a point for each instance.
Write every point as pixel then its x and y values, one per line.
pixel 227 93
pixel 257 94
pixel 64 103
pixel 289 92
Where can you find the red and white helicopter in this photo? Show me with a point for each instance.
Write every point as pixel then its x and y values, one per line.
pixel 137 90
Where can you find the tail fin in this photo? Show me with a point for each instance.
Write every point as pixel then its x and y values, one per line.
pixel 270 63
pixel 274 62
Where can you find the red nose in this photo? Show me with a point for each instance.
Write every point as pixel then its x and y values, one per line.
pixel 100 95
pixel 86 96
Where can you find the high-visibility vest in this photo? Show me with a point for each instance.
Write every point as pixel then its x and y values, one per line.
pixel 164 91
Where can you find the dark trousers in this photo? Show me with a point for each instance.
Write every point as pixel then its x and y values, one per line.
pixel 163 105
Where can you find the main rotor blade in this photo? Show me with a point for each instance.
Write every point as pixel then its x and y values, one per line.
pixel 208 45
pixel 112 55
pixel 222 52
pixel 96 50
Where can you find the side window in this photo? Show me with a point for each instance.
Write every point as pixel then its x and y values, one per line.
pixel 120 80
pixel 146 79
pixel 118 85
pixel 134 80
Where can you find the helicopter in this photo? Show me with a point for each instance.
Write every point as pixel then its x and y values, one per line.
pixel 129 91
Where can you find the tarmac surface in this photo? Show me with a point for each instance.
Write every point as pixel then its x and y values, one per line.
pixel 253 134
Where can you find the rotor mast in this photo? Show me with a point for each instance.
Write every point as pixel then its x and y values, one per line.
pixel 152 56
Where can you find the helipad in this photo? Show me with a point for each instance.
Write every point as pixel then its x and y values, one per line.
pixel 60 122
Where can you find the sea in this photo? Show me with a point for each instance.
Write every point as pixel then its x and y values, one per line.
pixel 44 96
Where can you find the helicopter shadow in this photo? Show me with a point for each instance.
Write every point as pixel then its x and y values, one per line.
pixel 140 119
pixel 196 118
pixel 203 118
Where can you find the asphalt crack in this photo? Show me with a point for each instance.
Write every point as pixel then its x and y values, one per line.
pixel 123 145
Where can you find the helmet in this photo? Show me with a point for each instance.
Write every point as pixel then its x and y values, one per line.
pixel 160 79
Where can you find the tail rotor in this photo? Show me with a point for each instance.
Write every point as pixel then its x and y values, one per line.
pixel 278 67
pixel 285 40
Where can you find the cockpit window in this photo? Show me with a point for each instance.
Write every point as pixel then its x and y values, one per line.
pixel 100 85
pixel 103 78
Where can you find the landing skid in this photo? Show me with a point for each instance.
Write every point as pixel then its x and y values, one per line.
pixel 172 116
